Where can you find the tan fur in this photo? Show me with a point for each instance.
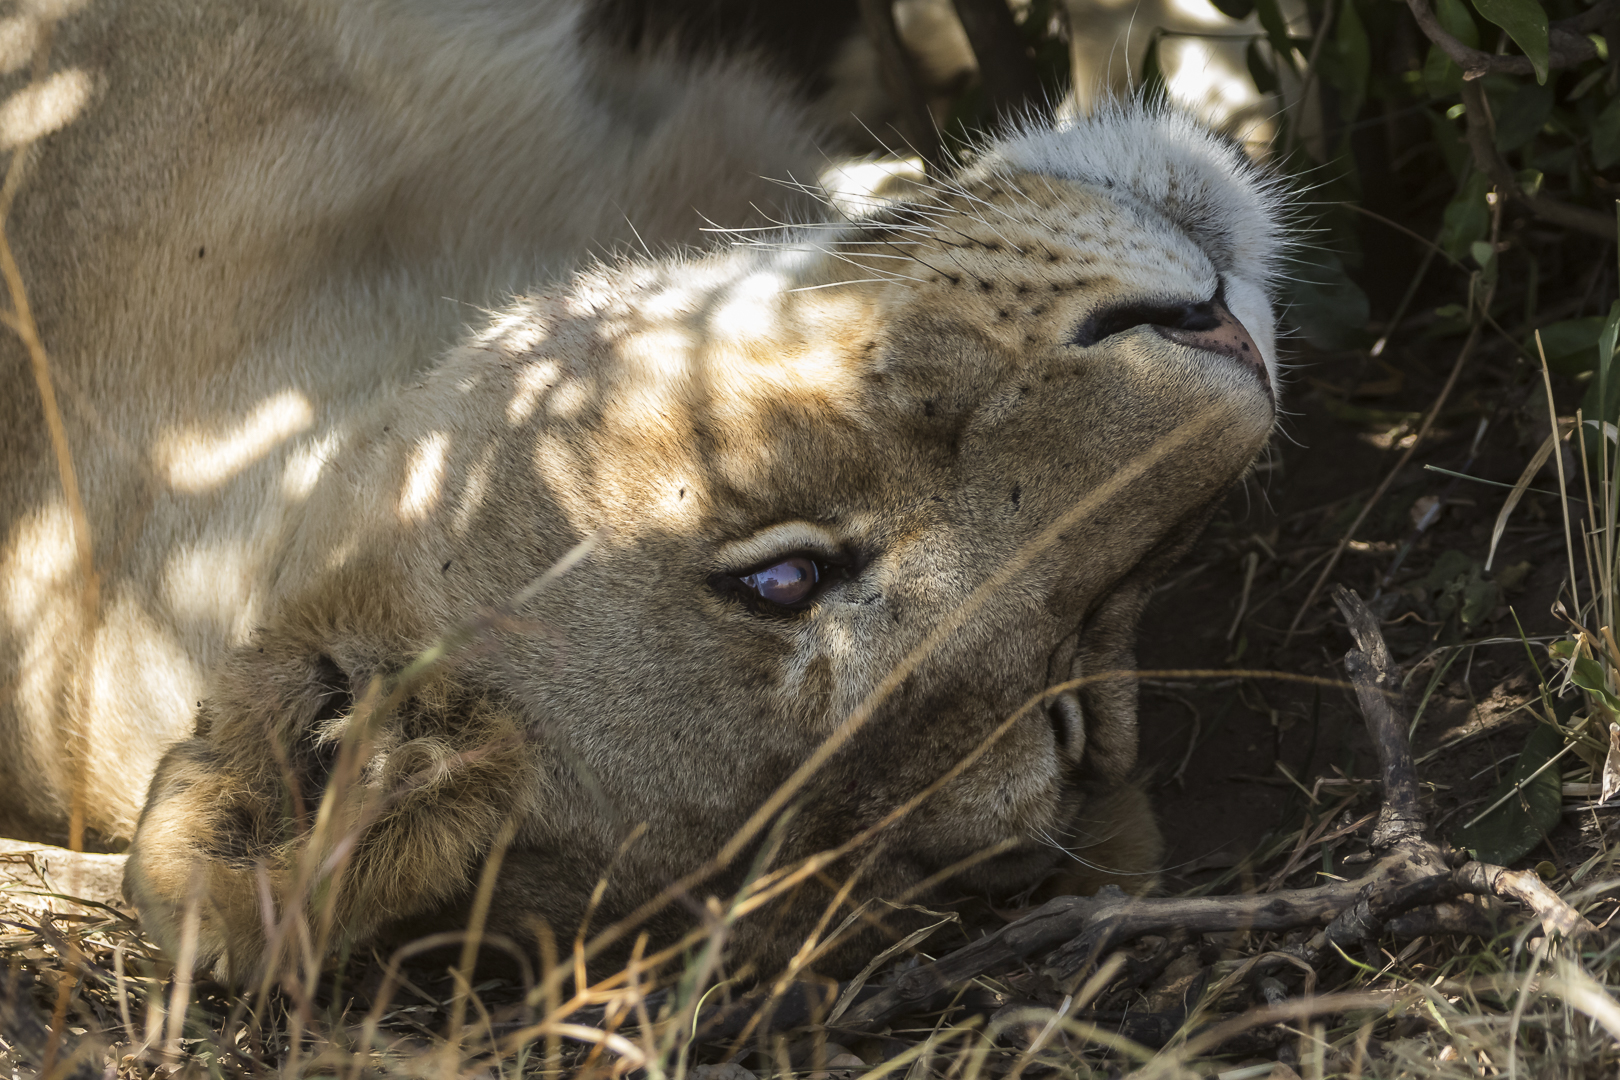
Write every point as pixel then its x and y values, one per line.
pixel 900 396
pixel 261 215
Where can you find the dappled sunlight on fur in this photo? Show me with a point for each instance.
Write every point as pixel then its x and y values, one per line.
pixel 930 438
pixel 499 563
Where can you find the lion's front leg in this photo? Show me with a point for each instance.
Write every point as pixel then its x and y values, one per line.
pixel 349 815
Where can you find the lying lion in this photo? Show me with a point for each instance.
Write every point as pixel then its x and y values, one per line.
pixel 658 581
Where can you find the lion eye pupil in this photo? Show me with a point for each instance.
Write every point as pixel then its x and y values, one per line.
pixel 788 582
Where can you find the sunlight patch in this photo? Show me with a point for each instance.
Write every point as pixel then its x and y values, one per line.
pixel 39 561
pixel 42 108
pixel 210 581
pixel 531 383
pixel 195 460
pixel 304 466
pixel 423 477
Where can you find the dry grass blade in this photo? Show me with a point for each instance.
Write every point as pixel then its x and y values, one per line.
pixel 1585 993
pixel 19 318
pixel 1520 486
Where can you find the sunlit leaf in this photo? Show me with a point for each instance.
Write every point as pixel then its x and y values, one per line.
pixel 1276 28
pixel 1587 674
pixel 1526 23
pixel 1512 829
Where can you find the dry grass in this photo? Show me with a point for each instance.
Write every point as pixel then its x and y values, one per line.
pixel 1232 1005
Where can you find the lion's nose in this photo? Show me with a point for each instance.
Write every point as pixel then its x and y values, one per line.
pixel 1209 325
pixel 1203 324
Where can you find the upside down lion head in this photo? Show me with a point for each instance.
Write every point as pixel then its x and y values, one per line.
pixel 799 562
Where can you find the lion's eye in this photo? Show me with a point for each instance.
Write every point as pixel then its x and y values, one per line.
pixel 788 583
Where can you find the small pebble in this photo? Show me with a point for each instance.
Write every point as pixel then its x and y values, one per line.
pixel 729 1071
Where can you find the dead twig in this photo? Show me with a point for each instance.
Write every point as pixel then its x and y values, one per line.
pixel 1372 672
pixel 1524 886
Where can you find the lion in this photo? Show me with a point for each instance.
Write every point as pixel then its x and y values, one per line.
pixel 801 570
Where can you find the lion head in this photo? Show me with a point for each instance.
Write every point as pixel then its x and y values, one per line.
pixel 812 558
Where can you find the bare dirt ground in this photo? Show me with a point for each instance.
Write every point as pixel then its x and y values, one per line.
pixel 1224 753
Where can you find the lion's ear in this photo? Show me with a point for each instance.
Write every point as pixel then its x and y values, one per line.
pixel 442 770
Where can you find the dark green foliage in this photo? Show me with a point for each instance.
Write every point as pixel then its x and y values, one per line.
pixel 1531 798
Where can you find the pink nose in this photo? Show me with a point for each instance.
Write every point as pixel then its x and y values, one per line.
pixel 1227 336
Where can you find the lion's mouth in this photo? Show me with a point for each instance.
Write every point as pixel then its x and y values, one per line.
pixel 1068 724
pixel 1063 710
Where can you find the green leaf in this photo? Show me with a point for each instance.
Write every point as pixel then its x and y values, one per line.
pixel 1441 76
pixel 1587 674
pixel 1449 141
pixel 1479 599
pixel 1602 401
pixel 1589 80
pixel 1468 218
pixel 1607 341
pixel 1265 79
pixel 1350 38
pixel 1512 829
pixel 1483 252
pixel 1276 28
pixel 1526 23
pixel 1453 15
pixel 1153 86
pixel 1571 345
pixel 1520 109
pixel 1606 136
pixel 1323 303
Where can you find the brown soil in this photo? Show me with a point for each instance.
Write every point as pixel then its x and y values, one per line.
pixel 1232 791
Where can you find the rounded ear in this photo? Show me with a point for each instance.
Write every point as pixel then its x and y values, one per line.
pixel 300 795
